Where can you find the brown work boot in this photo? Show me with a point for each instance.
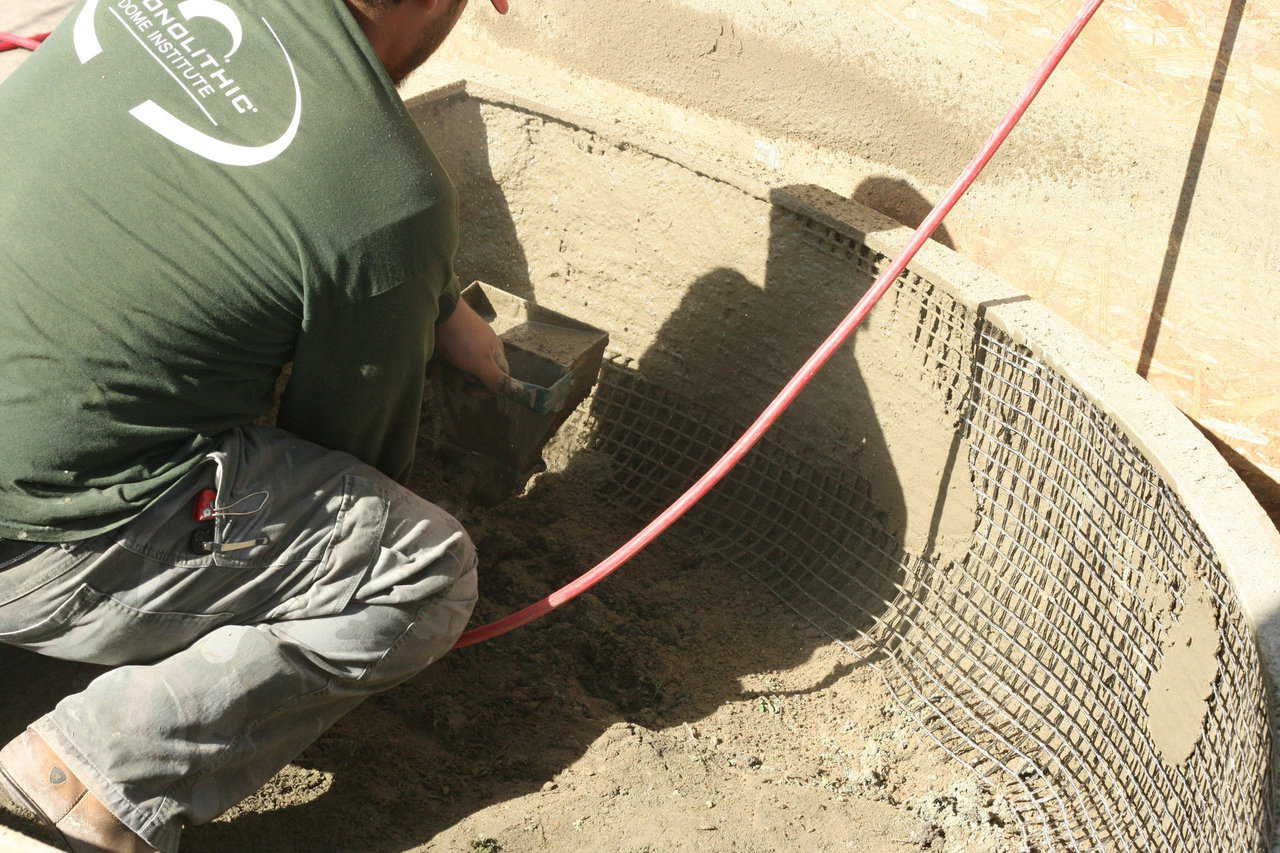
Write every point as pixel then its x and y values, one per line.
pixel 36 779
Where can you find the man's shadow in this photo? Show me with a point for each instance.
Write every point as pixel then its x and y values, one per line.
pixel 900 201
pixel 812 512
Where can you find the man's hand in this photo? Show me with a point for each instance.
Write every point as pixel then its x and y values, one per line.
pixel 469 344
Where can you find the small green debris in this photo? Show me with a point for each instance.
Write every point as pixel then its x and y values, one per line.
pixel 486 845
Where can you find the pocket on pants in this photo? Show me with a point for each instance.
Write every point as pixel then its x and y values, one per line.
pixel 93 627
pixel 165 530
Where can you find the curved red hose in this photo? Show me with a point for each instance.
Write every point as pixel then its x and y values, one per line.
pixel 820 357
pixel 8 41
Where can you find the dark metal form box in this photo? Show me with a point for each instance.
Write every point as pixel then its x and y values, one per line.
pixel 493 444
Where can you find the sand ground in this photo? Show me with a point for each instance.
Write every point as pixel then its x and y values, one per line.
pixel 678 708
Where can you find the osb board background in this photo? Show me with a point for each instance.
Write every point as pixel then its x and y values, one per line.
pixel 1138 198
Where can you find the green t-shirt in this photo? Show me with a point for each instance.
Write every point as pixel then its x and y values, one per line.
pixel 191 194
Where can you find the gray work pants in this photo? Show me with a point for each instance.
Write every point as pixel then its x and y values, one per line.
pixel 237 659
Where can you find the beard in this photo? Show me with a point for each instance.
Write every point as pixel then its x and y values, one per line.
pixel 429 42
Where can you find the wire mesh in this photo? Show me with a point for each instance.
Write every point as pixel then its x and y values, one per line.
pixel 1030 658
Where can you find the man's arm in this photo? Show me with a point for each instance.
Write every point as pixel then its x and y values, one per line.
pixel 467 342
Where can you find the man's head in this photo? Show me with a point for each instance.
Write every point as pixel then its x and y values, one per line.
pixel 405 32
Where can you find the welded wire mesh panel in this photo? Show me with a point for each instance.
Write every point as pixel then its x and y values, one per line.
pixel 1032 657
pixel 813 536
pixel 1081 565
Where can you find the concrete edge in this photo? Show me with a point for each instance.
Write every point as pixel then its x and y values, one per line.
pixel 1233 522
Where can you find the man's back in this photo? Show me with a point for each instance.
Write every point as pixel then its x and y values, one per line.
pixel 220 189
pixel 215 189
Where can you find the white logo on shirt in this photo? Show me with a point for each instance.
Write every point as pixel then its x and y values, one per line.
pixel 200 71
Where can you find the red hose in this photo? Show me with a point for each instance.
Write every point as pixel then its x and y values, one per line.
pixel 789 392
pixel 8 41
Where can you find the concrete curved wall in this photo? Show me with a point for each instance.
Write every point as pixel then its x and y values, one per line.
pixel 1053 571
